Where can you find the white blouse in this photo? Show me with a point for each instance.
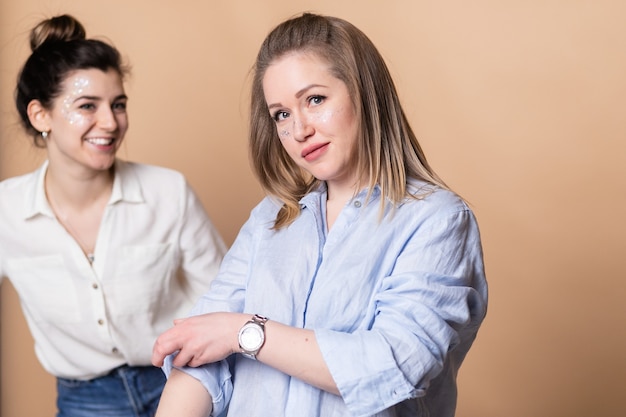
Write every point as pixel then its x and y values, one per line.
pixel 157 251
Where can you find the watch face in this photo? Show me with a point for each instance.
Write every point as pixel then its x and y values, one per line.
pixel 251 338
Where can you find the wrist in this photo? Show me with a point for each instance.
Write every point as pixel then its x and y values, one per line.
pixel 251 336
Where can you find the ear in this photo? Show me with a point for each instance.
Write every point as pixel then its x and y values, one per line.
pixel 39 116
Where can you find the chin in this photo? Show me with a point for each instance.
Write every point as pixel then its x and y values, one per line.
pixel 103 166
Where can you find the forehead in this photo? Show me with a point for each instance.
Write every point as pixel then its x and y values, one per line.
pixel 92 81
pixel 295 70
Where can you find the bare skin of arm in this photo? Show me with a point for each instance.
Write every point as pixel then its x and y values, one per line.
pixel 184 395
pixel 212 337
pixel 295 352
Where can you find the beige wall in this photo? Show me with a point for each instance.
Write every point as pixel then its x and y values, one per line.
pixel 520 105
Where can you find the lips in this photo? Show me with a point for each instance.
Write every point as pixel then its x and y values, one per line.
pixel 101 141
pixel 312 152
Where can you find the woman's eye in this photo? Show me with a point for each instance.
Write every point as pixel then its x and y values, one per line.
pixel 120 107
pixel 316 100
pixel 87 106
pixel 280 115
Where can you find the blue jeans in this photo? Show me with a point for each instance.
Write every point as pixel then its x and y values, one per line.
pixel 127 391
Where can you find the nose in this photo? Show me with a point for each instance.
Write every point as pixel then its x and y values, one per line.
pixel 107 119
pixel 302 129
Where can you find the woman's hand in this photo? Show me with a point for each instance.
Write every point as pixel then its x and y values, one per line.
pixel 200 339
pixel 212 337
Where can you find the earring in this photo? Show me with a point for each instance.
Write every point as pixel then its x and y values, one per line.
pixel 44 135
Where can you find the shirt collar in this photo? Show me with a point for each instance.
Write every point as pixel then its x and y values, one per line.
pixel 126 187
pixel 35 201
pixel 313 198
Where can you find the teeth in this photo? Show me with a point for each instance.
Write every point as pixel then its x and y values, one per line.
pixel 100 141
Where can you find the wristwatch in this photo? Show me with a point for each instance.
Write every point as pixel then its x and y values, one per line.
pixel 252 336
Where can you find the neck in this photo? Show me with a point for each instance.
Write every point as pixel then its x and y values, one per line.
pixel 337 197
pixel 342 192
pixel 77 191
pixel 78 202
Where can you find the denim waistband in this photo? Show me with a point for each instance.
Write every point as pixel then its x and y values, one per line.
pixel 123 392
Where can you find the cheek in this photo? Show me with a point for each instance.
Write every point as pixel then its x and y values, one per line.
pixel 122 122
pixel 346 121
pixel 290 146
pixel 76 118
pixel 322 118
pixel 284 134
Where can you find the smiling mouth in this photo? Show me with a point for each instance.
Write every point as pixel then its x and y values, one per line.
pixel 101 141
pixel 310 150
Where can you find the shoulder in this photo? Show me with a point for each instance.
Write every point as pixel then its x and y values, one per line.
pixel 16 183
pixel 147 171
pixel 434 199
pixel 150 178
pixel 137 182
pixel 432 207
pixel 266 209
pixel 437 214
pixel 19 196
pixel 19 185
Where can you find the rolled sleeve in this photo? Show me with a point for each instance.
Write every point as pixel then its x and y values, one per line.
pixel 367 385
pixel 426 308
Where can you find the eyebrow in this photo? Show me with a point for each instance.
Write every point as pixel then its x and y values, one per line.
pixel 97 98
pixel 299 94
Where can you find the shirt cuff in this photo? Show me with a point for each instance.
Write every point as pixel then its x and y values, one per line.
pixel 369 385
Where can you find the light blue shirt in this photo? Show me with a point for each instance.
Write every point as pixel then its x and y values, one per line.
pixel 395 303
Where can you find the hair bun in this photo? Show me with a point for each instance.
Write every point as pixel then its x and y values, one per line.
pixel 62 28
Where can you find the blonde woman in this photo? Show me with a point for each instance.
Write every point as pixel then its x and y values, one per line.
pixel 357 286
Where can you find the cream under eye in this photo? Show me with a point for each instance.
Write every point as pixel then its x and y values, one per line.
pixel 72 114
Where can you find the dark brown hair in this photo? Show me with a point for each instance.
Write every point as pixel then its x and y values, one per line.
pixel 59 46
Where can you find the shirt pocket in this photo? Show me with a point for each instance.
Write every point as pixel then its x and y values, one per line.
pixel 46 290
pixel 141 277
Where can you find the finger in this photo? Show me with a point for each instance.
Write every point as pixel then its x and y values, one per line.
pixel 165 345
pixel 183 358
pixel 158 355
pixel 157 359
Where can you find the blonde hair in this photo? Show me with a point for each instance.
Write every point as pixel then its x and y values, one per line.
pixel 388 152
